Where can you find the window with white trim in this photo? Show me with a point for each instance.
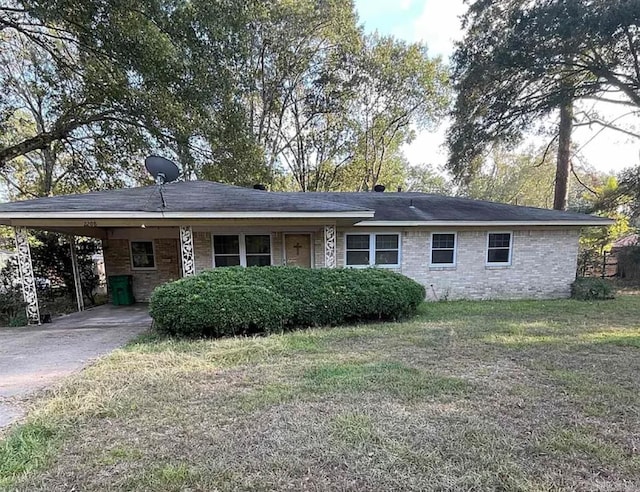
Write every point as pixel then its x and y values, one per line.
pixel 142 255
pixel 372 249
pixel 443 249
pixel 241 249
pixel 499 248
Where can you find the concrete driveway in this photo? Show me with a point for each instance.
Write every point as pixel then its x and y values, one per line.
pixel 34 357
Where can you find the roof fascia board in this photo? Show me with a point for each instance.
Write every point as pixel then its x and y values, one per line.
pixel 80 214
pixel 483 223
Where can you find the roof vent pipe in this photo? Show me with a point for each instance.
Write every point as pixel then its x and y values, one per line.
pixel 378 188
pixel 259 186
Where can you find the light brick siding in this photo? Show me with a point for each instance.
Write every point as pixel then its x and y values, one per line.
pixel 117 261
pixel 543 262
pixel 203 251
pixel 543 265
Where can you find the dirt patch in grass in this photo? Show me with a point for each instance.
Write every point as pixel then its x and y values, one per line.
pixel 467 396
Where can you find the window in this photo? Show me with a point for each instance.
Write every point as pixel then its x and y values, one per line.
pixel 142 255
pixel 373 249
pixel 443 249
pixel 227 251
pixel 499 248
pixel 358 249
pixel 245 250
pixel 258 250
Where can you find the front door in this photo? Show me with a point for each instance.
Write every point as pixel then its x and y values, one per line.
pixel 297 250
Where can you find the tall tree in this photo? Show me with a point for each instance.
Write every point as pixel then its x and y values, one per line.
pixel 400 89
pixel 91 84
pixel 295 51
pixel 521 61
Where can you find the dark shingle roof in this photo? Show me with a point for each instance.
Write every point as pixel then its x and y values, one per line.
pixel 190 196
pixel 406 207
pixel 206 196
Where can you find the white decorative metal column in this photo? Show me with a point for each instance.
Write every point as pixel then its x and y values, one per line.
pixel 27 279
pixel 186 247
pixel 76 273
pixel 330 246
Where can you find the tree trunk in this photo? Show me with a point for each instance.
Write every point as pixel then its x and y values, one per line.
pixel 49 161
pixel 563 163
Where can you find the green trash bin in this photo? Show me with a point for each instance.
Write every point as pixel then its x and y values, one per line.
pixel 121 287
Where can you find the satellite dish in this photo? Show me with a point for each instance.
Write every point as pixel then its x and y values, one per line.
pixel 163 170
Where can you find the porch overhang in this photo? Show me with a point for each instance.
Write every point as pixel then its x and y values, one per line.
pixel 91 224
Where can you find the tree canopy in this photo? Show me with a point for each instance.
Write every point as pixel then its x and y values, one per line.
pixel 89 85
pixel 276 91
pixel 521 61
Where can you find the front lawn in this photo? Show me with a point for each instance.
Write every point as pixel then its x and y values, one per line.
pixel 467 396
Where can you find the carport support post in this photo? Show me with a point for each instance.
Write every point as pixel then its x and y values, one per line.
pixel 27 278
pixel 330 246
pixel 186 248
pixel 76 273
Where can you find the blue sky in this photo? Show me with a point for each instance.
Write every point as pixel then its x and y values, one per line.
pixel 437 23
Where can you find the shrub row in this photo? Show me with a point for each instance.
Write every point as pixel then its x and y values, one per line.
pixel 230 301
pixel 591 288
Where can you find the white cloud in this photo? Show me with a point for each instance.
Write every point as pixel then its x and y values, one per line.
pixel 428 148
pixel 439 25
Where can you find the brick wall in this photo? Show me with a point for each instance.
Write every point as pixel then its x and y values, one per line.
pixel 203 251
pixel 117 261
pixel 543 265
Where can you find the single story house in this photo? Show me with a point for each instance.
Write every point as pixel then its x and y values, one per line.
pixel 456 247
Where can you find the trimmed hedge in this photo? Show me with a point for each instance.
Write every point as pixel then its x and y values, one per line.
pixel 591 288
pixel 230 301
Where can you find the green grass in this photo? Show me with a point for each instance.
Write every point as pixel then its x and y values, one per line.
pixel 26 448
pixel 532 395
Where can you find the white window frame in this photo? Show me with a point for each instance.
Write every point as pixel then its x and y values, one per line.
pixel 372 249
pixel 242 246
pixel 155 257
pixel 455 250
pixel 486 251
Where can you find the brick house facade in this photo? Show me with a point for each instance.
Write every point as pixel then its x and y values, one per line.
pixel 457 248
pixel 542 263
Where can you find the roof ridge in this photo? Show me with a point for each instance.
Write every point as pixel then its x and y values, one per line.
pixel 313 199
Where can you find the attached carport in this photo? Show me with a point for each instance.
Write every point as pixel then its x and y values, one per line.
pixel 173 211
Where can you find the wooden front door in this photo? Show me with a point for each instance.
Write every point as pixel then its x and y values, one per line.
pixel 297 250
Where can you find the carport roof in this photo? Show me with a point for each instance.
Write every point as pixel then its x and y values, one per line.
pixel 190 198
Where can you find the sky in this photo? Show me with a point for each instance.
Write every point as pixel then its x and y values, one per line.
pixel 437 23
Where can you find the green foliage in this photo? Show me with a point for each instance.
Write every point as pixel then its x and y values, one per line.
pixel 591 288
pixel 82 78
pixel 12 306
pixel 202 308
pixel 238 300
pixel 520 61
pixel 238 92
pixel 628 192
pixel 519 178
pixel 606 200
pixel 425 179
pixel 51 256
